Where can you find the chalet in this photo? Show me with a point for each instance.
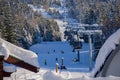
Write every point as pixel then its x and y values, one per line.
pixel 111 65
pixel 17 56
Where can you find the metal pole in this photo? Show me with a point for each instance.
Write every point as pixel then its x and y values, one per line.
pixel 78 56
pixel 79 45
pixel 62 61
pixel 90 52
pixel 1 67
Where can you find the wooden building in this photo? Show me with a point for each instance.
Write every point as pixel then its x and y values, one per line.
pixel 16 56
pixel 111 65
pixel 15 61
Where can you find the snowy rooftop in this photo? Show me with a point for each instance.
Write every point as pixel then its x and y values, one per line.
pixel 7 49
pixel 105 50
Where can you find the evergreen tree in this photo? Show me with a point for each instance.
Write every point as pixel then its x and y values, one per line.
pixel 90 17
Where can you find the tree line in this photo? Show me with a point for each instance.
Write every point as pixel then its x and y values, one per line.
pixel 103 12
pixel 20 25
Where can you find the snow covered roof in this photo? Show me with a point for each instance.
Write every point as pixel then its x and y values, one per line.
pixel 7 49
pixel 105 50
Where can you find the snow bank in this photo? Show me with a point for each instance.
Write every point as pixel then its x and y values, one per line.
pixel 52 76
pixel 107 47
pixel 98 78
pixel 47 74
pixel 7 49
pixel 56 76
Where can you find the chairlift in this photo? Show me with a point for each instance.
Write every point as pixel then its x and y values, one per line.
pixel 77 45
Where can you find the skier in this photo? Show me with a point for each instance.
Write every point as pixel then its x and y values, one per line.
pixel 45 62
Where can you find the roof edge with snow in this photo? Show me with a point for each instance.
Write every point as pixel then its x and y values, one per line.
pixel 104 52
pixel 18 56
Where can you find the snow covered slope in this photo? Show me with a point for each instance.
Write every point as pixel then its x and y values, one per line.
pixel 49 51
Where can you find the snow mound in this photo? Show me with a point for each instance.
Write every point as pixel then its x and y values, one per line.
pixel 7 49
pixel 49 75
pixel 107 47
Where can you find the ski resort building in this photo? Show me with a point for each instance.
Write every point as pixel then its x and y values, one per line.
pixel 112 65
pixel 17 56
pixel 107 62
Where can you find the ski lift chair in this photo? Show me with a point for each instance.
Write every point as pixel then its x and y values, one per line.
pixel 77 45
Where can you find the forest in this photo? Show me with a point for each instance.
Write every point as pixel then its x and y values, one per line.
pixel 23 27
pixel 20 25
pixel 103 12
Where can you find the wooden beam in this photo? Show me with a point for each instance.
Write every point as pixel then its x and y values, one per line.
pixel 1 67
pixel 20 63
pixel 6 74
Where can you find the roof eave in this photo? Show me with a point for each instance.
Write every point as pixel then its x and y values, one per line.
pixel 21 63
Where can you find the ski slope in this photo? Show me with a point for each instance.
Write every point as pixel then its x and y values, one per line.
pixel 49 51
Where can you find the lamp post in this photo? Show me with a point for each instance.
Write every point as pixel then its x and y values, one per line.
pixel 90 51
pixel 89 33
pixel 62 61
